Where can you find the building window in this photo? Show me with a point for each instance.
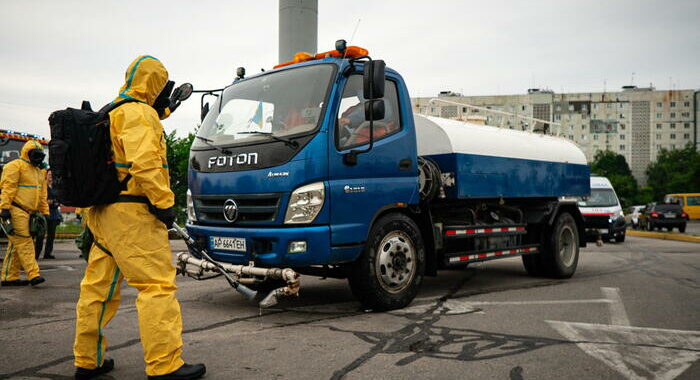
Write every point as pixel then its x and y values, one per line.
pixel 622 116
pixel 685 114
pixel 622 137
pixel 571 107
pixel 673 115
pixel 557 117
pixel 659 105
pixel 571 137
pixel 584 137
pixel 673 125
pixel 524 108
pixel 673 136
pixel 658 136
pixel 584 107
pixel 622 126
pixel 686 136
pixel 571 127
pixel 622 147
pixel 673 104
pixel 595 106
pixel 557 108
pixel 583 127
pixel 658 146
pixel 686 125
pixel 673 146
pixel 622 106
pixel 658 126
pixel 595 137
pixel 686 104
pixel 658 115
pixel 609 105
pixel 464 109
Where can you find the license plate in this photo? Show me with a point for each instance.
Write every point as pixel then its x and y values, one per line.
pixel 670 215
pixel 227 243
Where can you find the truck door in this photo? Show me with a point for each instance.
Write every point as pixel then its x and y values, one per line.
pixel 385 175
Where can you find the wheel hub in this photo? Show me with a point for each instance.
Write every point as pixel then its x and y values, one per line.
pixel 395 266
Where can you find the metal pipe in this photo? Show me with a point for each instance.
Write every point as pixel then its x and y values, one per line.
pixel 189 265
pixel 503 113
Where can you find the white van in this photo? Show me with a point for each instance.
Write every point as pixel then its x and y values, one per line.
pixel 602 212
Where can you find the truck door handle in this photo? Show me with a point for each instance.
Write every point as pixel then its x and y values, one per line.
pixel 405 164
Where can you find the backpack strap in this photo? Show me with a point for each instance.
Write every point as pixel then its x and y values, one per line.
pixel 112 106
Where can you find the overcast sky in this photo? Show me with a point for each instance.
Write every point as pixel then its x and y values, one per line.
pixel 54 54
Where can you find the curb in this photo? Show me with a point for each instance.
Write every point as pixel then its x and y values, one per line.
pixel 664 236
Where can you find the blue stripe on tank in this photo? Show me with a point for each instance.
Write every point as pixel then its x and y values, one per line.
pixel 480 176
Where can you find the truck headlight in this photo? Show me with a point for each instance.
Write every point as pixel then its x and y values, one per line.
pixel 305 203
pixel 191 216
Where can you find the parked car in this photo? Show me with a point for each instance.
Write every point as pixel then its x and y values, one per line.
pixel 632 215
pixel 663 215
pixel 602 213
pixel 689 201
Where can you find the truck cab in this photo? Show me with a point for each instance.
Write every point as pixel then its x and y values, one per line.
pixel 315 166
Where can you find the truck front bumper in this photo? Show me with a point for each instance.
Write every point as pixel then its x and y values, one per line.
pixel 268 246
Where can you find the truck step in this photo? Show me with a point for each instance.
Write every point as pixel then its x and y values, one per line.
pixel 474 256
pixel 456 231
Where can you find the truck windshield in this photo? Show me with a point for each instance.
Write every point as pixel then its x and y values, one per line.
pixel 599 198
pixel 280 104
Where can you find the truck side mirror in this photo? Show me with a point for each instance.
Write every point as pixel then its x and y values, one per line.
pixel 204 111
pixel 374 109
pixel 373 79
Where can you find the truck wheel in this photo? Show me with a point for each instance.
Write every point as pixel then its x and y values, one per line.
pixel 390 270
pixel 560 251
pixel 620 238
pixel 681 229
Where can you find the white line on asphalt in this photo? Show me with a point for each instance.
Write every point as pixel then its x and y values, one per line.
pixel 635 352
pixel 541 302
pixel 618 315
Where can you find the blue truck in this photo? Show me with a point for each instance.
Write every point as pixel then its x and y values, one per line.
pixel 321 166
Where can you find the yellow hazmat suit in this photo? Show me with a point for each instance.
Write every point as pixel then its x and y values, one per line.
pixel 23 192
pixel 137 241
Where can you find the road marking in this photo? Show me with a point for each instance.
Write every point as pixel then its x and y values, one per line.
pixel 618 314
pixel 634 352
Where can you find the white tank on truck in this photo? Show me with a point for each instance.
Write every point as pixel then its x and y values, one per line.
pixel 479 161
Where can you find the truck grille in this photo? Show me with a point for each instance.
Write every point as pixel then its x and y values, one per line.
pixel 252 208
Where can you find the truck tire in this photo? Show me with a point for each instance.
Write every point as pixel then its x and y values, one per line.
pixel 388 273
pixel 681 229
pixel 620 238
pixel 559 256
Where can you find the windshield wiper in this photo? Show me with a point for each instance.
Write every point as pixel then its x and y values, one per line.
pixel 291 143
pixel 210 143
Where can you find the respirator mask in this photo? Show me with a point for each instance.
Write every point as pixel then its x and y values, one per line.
pixel 36 157
pixel 162 102
pixel 168 100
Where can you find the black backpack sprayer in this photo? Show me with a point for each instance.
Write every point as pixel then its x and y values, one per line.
pixel 197 262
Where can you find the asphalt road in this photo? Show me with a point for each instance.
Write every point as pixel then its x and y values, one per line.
pixel 631 311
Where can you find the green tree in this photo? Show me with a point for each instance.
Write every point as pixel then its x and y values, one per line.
pixel 178 157
pixel 614 167
pixel 674 171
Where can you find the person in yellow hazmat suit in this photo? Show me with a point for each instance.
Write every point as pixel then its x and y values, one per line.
pixel 23 187
pixel 131 237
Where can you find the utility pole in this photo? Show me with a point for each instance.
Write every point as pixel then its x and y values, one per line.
pixel 298 28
